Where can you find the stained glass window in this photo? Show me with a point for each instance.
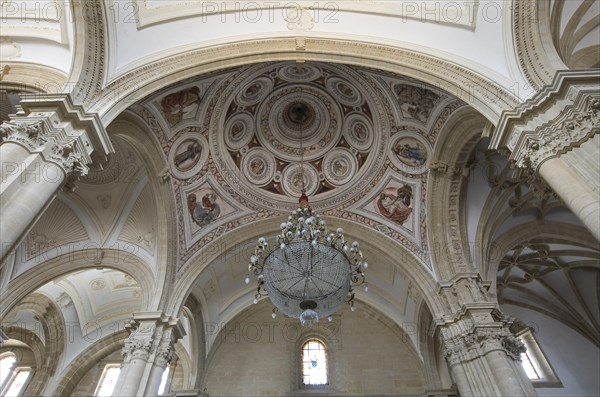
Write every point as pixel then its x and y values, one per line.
pixel 314 363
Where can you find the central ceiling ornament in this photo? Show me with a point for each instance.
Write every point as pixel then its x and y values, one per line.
pixel 309 273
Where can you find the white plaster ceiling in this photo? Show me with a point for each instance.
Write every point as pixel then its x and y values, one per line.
pixel 473 34
pixel 39 31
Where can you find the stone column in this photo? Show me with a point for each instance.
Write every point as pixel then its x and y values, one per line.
pixel 46 146
pixel 555 135
pixel 146 353
pixel 482 353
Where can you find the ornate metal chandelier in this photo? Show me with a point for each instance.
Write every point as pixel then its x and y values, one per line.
pixel 310 272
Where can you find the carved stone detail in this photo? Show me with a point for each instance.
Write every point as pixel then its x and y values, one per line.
pixel 31 135
pixel 563 135
pixel 466 340
pixel 513 346
pixel 135 348
pixel 164 355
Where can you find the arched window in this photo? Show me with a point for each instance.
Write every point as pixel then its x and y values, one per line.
pixel 314 363
pixel 7 361
pixel 12 378
pixel 108 380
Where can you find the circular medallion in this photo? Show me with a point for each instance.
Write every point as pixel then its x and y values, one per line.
pixel 339 166
pixel 291 180
pixel 358 132
pixel 255 91
pixel 187 155
pixel 299 72
pixel 239 130
pixel 344 91
pixel 410 152
pixel 294 121
pixel 259 166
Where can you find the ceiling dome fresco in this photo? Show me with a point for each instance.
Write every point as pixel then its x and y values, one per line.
pixel 242 143
pixel 330 116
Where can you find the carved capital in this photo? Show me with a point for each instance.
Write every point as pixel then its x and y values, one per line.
pixel 32 135
pixel 165 353
pixel 71 161
pixel 513 346
pixel 136 349
pixel 558 119
pixel 562 135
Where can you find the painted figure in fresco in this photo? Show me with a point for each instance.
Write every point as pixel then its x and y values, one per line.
pixel 175 106
pixel 396 207
pixel 188 158
pixel 204 212
pixel 414 155
pixel 415 102
pixel 257 166
pixel 340 167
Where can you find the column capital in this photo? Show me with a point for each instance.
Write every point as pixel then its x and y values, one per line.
pixel 472 337
pixel 61 132
pixel 558 119
pixel 152 335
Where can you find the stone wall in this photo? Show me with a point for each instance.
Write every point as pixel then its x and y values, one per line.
pixel 255 355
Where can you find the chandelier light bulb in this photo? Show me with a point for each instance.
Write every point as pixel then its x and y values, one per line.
pixel 365 264
pixel 329 318
pixel 366 287
pixel 247 279
pixel 255 301
pixel 353 308
pixel 273 315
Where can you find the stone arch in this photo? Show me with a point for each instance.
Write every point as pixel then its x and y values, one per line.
pixel 446 189
pixel 405 261
pixel 485 95
pixel 47 352
pixel 71 376
pixel 31 280
pixel 536 53
pixel 130 128
pixel 35 78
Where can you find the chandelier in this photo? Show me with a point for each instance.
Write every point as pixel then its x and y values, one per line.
pixel 308 272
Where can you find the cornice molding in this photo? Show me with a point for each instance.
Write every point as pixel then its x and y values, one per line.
pixel 533 43
pixel 488 97
pixel 559 118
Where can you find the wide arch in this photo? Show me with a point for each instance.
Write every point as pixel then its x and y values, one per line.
pixel 32 77
pixel 487 96
pixel 31 280
pixel 409 265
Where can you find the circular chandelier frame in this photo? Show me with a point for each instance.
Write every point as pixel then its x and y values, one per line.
pixel 309 272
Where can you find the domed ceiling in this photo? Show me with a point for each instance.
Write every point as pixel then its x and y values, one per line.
pixel 240 145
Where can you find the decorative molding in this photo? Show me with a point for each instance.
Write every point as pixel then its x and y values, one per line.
pixel 447 12
pixel 577 126
pixel 538 62
pixel 489 98
pixel 558 119
pixel 32 135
